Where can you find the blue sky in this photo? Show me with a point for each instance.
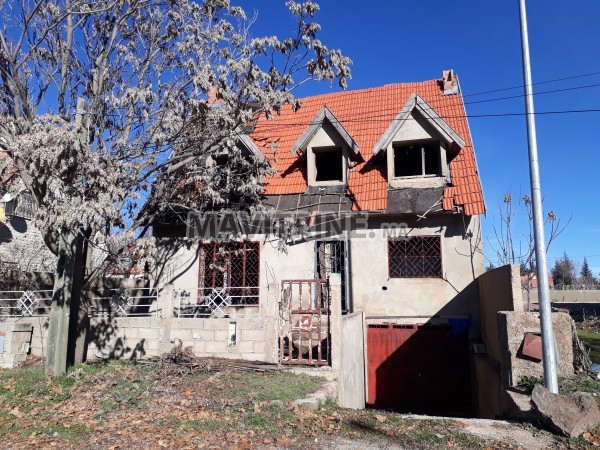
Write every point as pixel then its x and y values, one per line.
pixel 412 40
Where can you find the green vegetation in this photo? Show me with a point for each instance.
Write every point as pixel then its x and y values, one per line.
pixel 591 340
pixel 283 386
pixel 123 405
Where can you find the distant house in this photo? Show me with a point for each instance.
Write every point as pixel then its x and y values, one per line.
pixel 387 182
pixel 532 282
pixel 21 244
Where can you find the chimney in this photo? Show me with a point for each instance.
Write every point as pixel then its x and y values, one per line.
pixel 449 83
pixel 214 96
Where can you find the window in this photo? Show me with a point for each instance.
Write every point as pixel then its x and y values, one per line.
pixel 330 259
pixel 417 159
pixel 329 164
pixel 230 270
pixel 415 257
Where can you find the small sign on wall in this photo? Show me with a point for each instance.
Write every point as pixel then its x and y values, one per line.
pixel 532 346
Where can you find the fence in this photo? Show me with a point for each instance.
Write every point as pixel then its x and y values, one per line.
pixel 216 301
pixel 140 302
pixel 125 302
pixel 119 302
pixel 576 287
pixel 25 303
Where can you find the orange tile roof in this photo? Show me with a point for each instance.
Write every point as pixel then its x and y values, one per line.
pixel 366 115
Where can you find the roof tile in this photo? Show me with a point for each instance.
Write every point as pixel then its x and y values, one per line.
pixel 366 115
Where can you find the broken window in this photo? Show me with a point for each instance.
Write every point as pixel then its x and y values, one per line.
pixel 230 270
pixel 415 257
pixel 329 164
pixel 417 159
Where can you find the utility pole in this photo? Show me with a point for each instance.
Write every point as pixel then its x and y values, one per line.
pixel 548 347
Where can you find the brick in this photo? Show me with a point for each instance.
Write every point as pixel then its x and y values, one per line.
pixel 203 335
pixel 184 335
pixel 131 332
pixel 259 347
pixel 216 324
pixel 221 335
pixel 199 347
pixel 254 356
pixel 250 324
pixel 245 346
pixel 140 322
pixel 152 344
pixel 252 335
pixel 191 323
pixel 148 333
pixel 216 347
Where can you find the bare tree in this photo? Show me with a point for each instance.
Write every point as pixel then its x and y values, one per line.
pixel 508 249
pixel 104 104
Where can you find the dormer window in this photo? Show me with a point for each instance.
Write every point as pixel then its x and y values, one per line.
pixel 418 146
pixel 328 149
pixel 417 159
pixel 329 164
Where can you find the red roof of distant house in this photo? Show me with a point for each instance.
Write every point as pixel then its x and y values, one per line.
pixel 534 282
pixel 366 115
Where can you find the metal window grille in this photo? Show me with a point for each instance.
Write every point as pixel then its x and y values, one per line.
pixel 233 269
pixel 26 206
pixel 416 257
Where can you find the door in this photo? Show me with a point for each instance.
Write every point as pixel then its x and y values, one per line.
pixel 305 322
pixel 419 368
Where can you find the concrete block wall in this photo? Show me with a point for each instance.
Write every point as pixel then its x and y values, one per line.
pixel 138 337
pixel 16 338
pixel 39 327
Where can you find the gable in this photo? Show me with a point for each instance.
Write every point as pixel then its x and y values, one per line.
pixel 418 117
pixel 326 130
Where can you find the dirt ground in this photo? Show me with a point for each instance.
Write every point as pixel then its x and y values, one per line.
pixel 124 406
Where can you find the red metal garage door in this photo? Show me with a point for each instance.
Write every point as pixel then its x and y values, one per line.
pixel 419 368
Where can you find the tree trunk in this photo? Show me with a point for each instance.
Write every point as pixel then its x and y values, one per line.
pixel 79 323
pixel 60 312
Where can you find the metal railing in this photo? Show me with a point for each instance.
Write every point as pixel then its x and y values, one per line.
pixel 576 287
pixel 217 301
pixel 125 302
pixel 25 303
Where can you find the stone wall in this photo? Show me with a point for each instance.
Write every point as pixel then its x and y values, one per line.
pixel 513 326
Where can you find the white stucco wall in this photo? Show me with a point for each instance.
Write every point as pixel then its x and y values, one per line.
pixel 372 290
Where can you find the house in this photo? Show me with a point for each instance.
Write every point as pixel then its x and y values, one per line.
pixel 531 282
pixel 386 185
pixel 21 244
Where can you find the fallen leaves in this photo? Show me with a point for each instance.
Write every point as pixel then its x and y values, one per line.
pixel 591 438
pixel 15 412
pixel 136 407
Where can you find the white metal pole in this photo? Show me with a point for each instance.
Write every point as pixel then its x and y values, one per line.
pixel 549 349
